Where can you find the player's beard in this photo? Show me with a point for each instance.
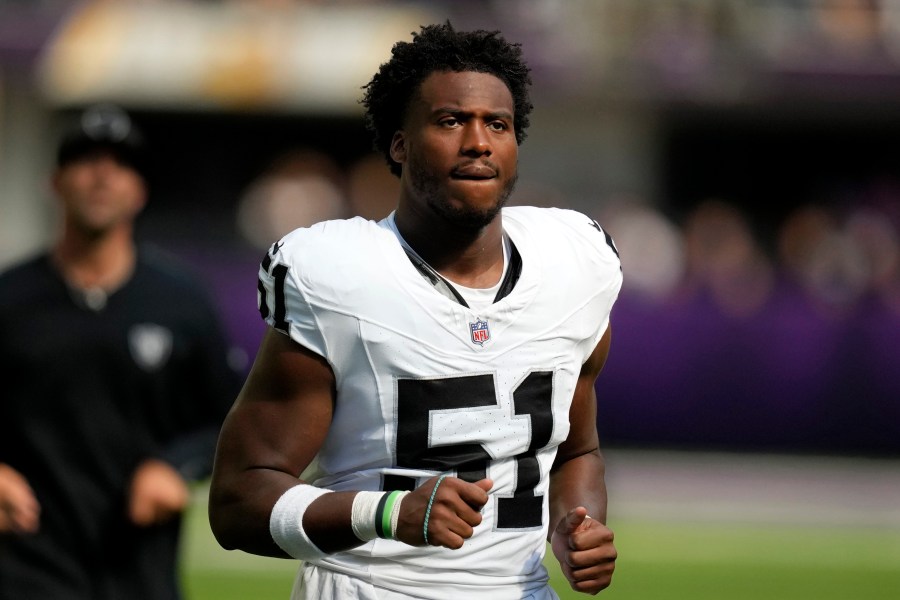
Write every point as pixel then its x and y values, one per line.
pixel 426 186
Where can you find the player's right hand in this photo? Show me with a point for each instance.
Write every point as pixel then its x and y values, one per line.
pixel 19 509
pixel 455 512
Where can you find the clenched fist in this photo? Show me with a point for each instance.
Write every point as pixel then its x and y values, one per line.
pixel 585 551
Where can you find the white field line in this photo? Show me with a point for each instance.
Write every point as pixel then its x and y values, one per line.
pixel 776 489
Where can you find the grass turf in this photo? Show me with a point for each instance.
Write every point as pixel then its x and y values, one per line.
pixel 658 561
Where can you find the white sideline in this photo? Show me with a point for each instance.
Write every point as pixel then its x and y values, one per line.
pixel 753 488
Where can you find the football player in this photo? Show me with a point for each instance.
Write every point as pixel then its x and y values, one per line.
pixel 431 375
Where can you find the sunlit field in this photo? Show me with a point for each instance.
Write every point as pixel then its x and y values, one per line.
pixel 818 555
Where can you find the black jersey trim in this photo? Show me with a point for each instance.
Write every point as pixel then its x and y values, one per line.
pixel 434 278
pixel 513 272
pixel 611 244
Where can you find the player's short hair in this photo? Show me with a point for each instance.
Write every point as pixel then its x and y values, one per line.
pixel 443 49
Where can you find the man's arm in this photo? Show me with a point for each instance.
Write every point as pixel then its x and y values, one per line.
pixel 157 493
pixel 19 509
pixel 273 432
pixel 578 534
pixel 160 487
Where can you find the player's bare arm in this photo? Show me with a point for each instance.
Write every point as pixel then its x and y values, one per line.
pixel 271 434
pixel 274 431
pixel 578 534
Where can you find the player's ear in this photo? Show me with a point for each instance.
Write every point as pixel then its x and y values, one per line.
pixel 398 146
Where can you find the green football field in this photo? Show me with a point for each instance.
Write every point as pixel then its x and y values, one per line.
pixel 656 561
pixel 819 555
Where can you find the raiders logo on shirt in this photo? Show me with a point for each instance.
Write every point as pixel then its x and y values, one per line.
pixel 150 345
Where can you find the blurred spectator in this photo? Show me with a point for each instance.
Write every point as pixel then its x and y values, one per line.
pixel 678 42
pixel 533 193
pixel 651 247
pixel 889 291
pixel 725 259
pixel 838 263
pixel 850 27
pixel 301 188
pixel 115 384
pixel 878 240
pixel 371 189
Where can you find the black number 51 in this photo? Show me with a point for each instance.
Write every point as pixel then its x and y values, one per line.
pixel 417 398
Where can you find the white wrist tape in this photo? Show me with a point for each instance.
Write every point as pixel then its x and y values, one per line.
pixel 364 514
pixel 286 522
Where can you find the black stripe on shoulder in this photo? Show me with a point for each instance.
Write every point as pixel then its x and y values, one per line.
pixel 611 243
pixel 267 259
pixel 609 240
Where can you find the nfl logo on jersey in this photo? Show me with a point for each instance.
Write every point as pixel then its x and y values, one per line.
pixel 480 332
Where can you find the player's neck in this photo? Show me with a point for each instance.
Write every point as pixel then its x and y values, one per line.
pixel 470 258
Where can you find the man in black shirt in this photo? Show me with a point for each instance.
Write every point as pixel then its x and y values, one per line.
pixel 115 382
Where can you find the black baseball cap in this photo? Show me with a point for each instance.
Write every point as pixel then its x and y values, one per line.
pixel 104 128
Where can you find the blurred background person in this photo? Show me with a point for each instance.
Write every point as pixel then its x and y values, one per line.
pixel 299 188
pixel 371 189
pixel 724 259
pixel 115 383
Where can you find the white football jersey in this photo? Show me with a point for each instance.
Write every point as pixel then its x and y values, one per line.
pixel 426 385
